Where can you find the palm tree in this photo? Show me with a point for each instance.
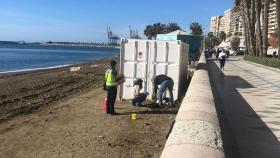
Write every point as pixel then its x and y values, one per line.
pixel 255 25
pixel 246 35
pixel 248 26
pixel 258 7
pixel 152 30
pixel 278 22
pixel 148 32
pixel 158 28
pixel 196 28
pixel 237 2
pixel 265 11
pixel 252 23
pixel 171 27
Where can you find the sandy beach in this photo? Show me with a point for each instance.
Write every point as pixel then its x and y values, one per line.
pixel 25 92
pixel 58 113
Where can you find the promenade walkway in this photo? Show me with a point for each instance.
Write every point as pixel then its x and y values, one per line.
pixel 248 98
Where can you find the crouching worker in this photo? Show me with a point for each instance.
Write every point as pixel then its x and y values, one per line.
pixel 138 97
pixel 164 82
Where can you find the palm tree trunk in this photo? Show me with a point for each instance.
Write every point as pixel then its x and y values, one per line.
pixel 265 11
pixel 245 27
pixel 258 28
pixel 278 22
pixel 249 26
pixel 252 22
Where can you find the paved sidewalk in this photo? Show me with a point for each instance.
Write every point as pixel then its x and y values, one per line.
pixel 249 96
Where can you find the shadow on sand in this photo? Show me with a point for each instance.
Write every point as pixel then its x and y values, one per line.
pixel 152 108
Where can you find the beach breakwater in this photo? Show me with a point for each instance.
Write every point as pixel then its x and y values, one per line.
pixel 196 132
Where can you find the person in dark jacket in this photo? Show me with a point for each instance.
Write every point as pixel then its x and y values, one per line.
pixel 164 82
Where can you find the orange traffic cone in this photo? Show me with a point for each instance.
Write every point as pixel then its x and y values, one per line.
pixel 105 104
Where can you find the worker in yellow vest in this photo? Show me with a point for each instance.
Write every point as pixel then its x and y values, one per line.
pixel 111 82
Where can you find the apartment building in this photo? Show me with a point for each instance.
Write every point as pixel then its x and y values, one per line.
pixel 221 23
pixel 232 23
pixel 215 24
pixel 227 21
pixel 272 19
pixel 236 23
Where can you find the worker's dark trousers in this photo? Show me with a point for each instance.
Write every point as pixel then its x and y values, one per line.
pixel 111 98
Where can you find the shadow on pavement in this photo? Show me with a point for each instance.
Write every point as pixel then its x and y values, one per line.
pixel 243 131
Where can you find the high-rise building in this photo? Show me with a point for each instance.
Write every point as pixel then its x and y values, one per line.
pixel 232 22
pixel 215 24
pixel 221 23
pixel 227 21
pixel 236 25
pixel 272 19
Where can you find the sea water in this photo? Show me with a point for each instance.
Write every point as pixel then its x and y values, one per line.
pixel 24 57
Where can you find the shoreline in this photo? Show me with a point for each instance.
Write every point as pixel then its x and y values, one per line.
pixel 28 91
pixel 82 45
pixel 20 71
pixel 33 69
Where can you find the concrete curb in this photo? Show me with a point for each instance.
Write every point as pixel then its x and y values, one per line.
pixel 191 151
pixel 196 132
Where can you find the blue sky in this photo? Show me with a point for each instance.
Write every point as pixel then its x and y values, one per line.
pixel 86 20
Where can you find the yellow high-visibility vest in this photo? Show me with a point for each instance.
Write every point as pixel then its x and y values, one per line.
pixel 111 77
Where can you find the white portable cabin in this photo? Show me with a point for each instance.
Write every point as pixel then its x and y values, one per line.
pixel 144 59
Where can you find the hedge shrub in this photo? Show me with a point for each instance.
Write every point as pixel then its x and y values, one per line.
pixel 272 62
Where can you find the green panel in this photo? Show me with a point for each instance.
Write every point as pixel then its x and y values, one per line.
pixel 163 37
pixel 193 41
pixel 195 44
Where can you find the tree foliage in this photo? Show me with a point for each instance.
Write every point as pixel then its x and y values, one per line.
pixel 211 41
pixel 170 27
pixel 148 32
pixel 157 28
pixel 237 2
pixel 234 42
pixel 210 35
pixel 196 28
pixel 223 36
pixel 152 30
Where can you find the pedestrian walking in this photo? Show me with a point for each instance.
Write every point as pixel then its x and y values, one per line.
pixel 211 52
pixel 165 82
pixel 227 53
pixel 217 53
pixel 222 58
